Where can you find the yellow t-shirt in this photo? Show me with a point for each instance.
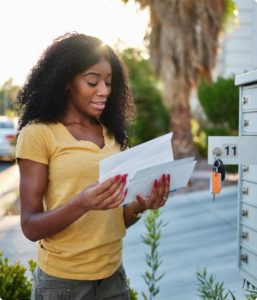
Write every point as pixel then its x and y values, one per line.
pixel 91 247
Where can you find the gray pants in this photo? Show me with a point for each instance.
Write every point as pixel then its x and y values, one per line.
pixel 46 287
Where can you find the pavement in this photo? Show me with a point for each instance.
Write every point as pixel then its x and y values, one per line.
pixel 9 189
pixel 198 233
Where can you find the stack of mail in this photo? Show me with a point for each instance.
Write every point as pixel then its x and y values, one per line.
pixel 145 163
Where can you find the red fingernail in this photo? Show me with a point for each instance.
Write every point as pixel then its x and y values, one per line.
pixel 155 183
pixel 126 191
pixel 117 177
pixel 168 177
pixel 124 178
pixel 138 197
pixel 163 177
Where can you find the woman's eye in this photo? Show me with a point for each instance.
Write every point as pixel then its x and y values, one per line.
pixel 92 84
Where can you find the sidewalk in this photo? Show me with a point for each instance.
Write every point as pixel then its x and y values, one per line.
pixel 9 189
pixel 199 234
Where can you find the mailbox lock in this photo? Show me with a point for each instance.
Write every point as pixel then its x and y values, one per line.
pixel 244 258
pixel 245 212
pixel 245 168
pixel 246 123
pixel 245 99
pixel 217 152
pixel 245 190
pixel 244 235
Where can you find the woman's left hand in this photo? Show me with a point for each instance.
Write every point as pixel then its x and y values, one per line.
pixel 157 198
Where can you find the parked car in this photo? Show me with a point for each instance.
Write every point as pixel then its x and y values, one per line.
pixel 8 131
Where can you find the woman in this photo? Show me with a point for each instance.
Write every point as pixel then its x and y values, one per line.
pixel 76 106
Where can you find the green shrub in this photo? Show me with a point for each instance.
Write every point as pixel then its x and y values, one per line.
pixel 209 289
pixel 151 238
pixel 251 290
pixel 152 117
pixel 133 294
pixel 220 102
pixel 14 285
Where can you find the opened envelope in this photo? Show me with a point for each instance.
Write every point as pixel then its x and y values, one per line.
pixel 146 162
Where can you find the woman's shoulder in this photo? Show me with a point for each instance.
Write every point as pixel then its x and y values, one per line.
pixel 36 127
pixel 37 130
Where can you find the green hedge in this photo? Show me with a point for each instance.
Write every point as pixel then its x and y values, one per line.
pixel 153 118
pixel 14 285
pixel 220 102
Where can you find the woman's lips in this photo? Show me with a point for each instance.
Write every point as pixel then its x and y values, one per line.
pixel 98 104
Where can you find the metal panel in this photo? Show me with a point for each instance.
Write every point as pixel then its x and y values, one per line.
pixel 247 183
pixel 249 192
pixel 249 122
pixel 249 216
pixel 248 261
pixel 249 172
pixel 248 237
pixel 246 78
pixel 234 150
pixel 248 99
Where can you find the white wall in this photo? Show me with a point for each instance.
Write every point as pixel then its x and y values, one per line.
pixel 238 50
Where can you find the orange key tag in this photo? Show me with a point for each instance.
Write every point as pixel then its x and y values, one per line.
pixel 215 183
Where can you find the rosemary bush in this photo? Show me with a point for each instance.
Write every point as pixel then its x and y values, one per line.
pixel 152 237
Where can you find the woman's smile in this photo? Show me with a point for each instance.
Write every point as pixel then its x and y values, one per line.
pixel 100 105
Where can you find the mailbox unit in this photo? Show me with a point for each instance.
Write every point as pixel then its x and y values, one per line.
pixel 247 183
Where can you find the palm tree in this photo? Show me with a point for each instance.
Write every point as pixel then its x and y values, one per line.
pixel 183 42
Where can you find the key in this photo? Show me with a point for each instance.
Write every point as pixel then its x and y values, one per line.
pixel 215 183
pixel 220 168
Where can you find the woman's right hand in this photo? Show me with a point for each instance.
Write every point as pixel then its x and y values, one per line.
pixel 38 224
pixel 106 195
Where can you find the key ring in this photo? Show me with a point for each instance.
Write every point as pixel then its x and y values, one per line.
pixel 216 167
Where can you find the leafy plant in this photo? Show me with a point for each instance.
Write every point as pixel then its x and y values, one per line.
pixel 14 285
pixel 209 289
pixel 133 294
pixel 152 117
pixel 251 290
pixel 152 239
pixel 220 102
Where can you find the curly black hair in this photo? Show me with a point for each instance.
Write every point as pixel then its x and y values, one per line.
pixel 43 97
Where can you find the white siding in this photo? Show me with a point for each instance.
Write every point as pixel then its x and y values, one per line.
pixel 238 49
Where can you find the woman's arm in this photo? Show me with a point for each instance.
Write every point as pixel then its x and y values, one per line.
pixel 37 223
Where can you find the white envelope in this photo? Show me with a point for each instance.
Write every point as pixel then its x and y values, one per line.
pixel 180 172
pixel 145 163
pixel 150 153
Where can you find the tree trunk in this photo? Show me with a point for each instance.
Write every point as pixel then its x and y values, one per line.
pixel 181 123
pixel 176 98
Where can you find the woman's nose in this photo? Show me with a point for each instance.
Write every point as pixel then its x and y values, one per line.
pixel 103 89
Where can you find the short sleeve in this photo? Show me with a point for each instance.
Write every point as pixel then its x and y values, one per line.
pixel 34 142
